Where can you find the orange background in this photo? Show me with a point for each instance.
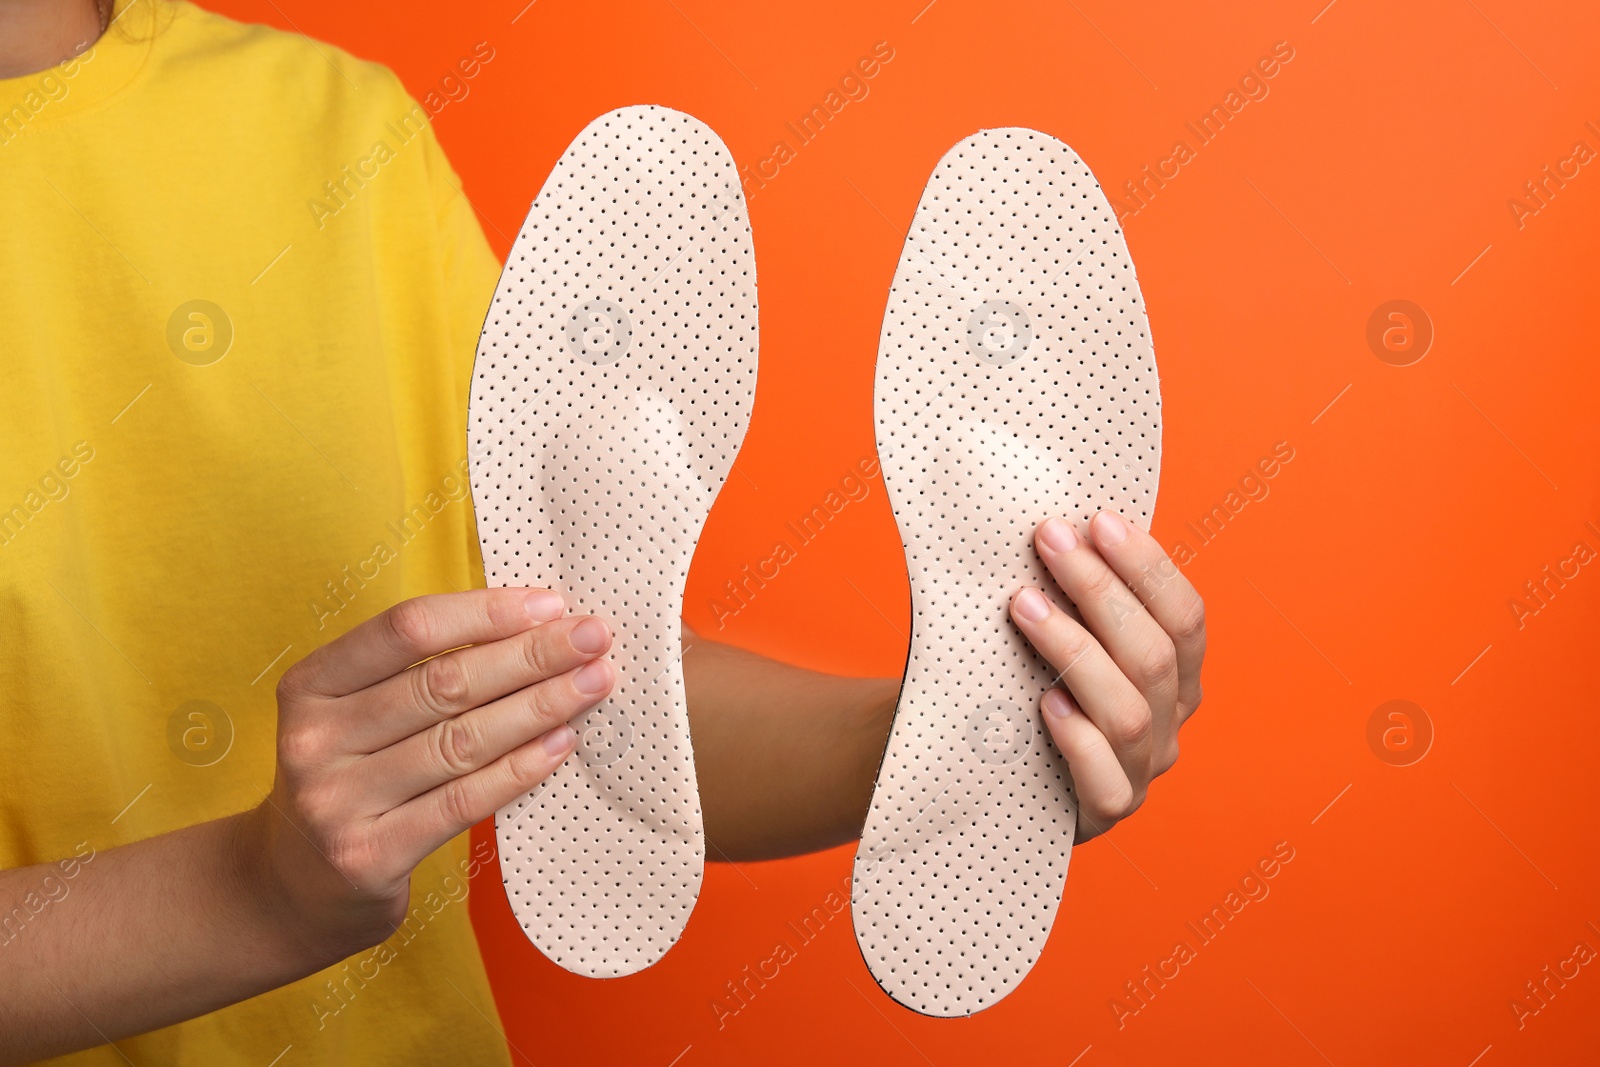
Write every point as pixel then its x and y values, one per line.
pixel 1381 565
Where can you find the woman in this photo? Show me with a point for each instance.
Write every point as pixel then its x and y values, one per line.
pixel 242 290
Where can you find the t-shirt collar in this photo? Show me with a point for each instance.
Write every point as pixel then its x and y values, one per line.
pixel 96 74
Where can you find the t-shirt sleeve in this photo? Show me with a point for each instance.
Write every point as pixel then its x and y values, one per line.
pixel 470 272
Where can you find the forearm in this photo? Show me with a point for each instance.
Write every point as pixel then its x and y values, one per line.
pixel 148 934
pixel 138 937
pixel 379 764
pixel 786 757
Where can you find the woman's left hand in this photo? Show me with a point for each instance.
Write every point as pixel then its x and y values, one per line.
pixel 1130 672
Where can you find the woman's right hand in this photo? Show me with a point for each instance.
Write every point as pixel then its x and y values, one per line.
pixel 400 735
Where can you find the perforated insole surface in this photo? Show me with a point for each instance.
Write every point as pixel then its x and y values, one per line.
pixel 613 384
pixel 1015 381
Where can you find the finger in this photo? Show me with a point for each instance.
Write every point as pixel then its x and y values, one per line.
pixel 1169 597
pixel 413 830
pixel 416 629
pixel 431 692
pixel 1104 793
pixel 467 743
pixel 1113 614
pixel 1105 694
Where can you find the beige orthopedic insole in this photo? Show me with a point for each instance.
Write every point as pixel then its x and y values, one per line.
pixel 1015 381
pixel 613 385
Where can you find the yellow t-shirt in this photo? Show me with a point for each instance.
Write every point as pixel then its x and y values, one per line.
pixel 240 291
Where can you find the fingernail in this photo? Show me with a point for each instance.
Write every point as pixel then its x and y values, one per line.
pixel 593 678
pixel 561 740
pixel 1110 528
pixel 544 606
pixel 1056 704
pixel 1031 605
pixel 1058 535
pixel 590 636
